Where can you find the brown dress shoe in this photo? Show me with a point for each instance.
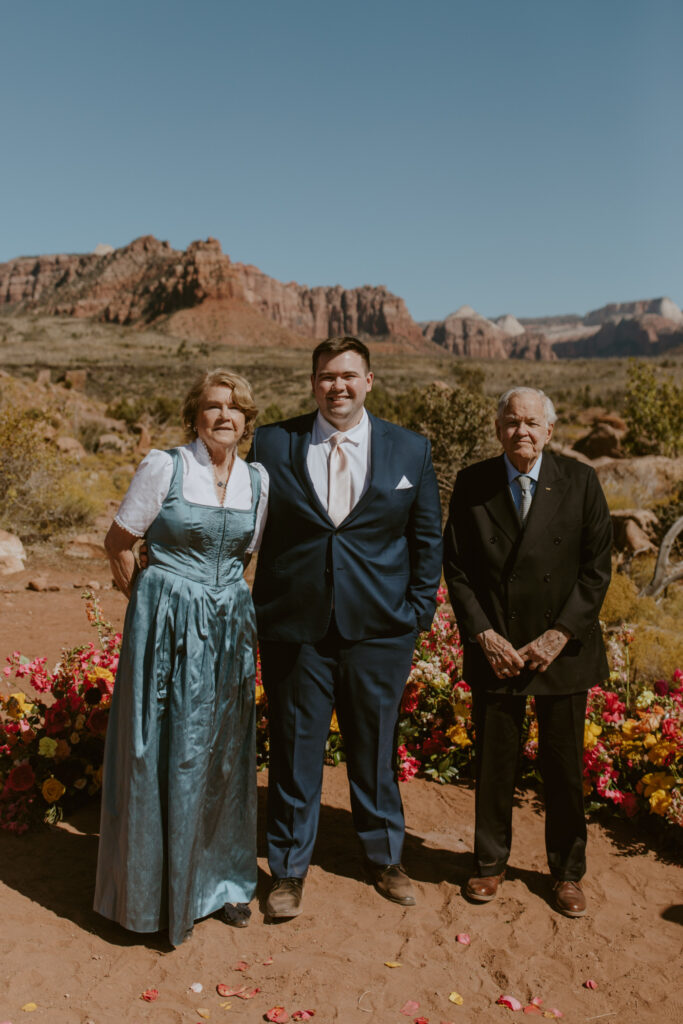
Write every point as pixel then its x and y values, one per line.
pixel 481 890
pixel 569 899
pixel 391 881
pixel 284 898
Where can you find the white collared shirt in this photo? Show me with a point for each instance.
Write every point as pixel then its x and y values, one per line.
pixel 150 486
pixel 356 449
pixel 513 482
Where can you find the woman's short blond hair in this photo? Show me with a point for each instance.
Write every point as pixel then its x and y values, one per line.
pixel 241 396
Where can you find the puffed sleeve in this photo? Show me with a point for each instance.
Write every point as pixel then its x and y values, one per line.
pixel 261 511
pixel 145 496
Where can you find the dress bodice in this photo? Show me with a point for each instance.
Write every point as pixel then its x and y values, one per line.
pixel 203 543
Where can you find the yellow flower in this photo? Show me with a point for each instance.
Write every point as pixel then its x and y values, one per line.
pixel 630 728
pixel 80 783
pixel 457 734
pixel 587 787
pixel 74 738
pixel 590 734
pixel 656 780
pixel 17 706
pixel 47 747
pixel 52 790
pixel 659 801
pixel 101 673
pixel 80 722
pixel 661 751
pixel 334 724
pixel 461 710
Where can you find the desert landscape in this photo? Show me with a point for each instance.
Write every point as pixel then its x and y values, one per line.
pixel 96 351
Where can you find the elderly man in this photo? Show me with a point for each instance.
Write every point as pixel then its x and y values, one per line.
pixel 347 575
pixel 527 564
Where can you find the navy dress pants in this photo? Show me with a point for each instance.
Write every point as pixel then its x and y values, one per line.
pixel 498 720
pixel 364 681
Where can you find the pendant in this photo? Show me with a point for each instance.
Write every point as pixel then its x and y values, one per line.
pixel 221 483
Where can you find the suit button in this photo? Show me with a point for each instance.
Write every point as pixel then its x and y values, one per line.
pixel 548 613
pixel 513 615
pixel 546 577
pixel 512 577
pixel 492 540
pixel 557 540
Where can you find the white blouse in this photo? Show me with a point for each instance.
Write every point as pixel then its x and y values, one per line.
pixel 151 483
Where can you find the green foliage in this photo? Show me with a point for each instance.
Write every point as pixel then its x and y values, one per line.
pixel 39 495
pixel 271 414
pixel 161 409
pixel 654 412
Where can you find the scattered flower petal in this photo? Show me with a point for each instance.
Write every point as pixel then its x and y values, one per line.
pixel 278 1015
pixel 268 962
pixel 303 1015
pixel 247 993
pixel 510 1002
pixel 456 998
pixel 590 984
pixel 392 963
pixel 203 1012
pixel 225 990
pixel 536 1001
pixel 553 1013
pixel 463 938
pixel 241 965
pixel 225 1006
pixel 196 986
pixel 421 1020
pixel 532 1008
pixel 29 1007
pixel 410 1007
pixel 150 994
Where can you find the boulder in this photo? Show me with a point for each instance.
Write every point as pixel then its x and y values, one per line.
pixel 70 446
pixel 86 545
pixel 641 481
pixel 603 440
pixel 111 443
pixel 633 529
pixel 12 554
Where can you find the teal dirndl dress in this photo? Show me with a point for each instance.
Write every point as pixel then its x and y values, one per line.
pixel 178 820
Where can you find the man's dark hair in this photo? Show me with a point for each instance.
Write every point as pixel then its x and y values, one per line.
pixel 334 346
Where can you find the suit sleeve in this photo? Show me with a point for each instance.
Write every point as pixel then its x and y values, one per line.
pixel 424 543
pixel 582 607
pixel 458 538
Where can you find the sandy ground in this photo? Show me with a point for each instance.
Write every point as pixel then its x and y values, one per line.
pixel 77 967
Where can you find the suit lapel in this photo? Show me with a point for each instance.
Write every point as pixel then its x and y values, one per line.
pixel 380 450
pixel 550 492
pixel 299 445
pixel 500 505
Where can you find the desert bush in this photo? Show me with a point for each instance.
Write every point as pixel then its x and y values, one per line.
pixel 654 413
pixel 621 600
pixel 39 493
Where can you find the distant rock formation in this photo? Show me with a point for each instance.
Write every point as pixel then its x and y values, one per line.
pixel 613 312
pixel 148 280
pixel 509 324
pixel 643 335
pixel 468 333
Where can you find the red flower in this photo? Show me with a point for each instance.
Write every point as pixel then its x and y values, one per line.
pixel 21 778
pixel 97 721
pixel 57 719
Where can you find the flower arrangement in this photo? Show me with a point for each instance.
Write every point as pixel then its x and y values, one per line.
pixel 52 744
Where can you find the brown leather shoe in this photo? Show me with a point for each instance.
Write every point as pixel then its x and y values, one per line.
pixel 391 881
pixel 481 890
pixel 569 899
pixel 284 898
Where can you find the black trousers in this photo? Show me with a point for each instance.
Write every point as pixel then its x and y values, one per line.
pixel 364 681
pixel 498 720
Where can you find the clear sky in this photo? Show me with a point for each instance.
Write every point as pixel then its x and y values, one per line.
pixel 520 156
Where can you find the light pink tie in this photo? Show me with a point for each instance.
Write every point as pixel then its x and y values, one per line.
pixel 338 480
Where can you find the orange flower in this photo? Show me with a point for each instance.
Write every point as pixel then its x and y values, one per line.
pixel 52 790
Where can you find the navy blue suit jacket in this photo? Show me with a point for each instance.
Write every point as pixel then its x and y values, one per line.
pixel 379 569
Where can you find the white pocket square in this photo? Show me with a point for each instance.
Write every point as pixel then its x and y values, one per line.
pixel 403 484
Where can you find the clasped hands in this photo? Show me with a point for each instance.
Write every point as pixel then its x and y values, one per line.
pixel 538 654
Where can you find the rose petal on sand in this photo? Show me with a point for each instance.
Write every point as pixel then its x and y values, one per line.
pixel 150 994
pixel 241 965
pixel 410 1007
pixel 268 962
pixel 247 994
pixel 590 984
pixel 536 1001
pixel 303 1015
pixel 456 998
pixel 463 938
pixel 421 1020
pixel 278 1015
pixel 510 1002
pixel 226 990
pixel 533 1008
pixel 392 963
pixel 196 986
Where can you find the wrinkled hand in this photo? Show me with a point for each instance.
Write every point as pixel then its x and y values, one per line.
pixel 143 556
pixel 541 652
pixel 502 656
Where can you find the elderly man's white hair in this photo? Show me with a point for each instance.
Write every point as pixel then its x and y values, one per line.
pixel 548 407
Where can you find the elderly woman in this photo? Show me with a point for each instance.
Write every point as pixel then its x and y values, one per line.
pixel 178 825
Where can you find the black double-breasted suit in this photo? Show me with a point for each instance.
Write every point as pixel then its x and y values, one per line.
pixel 520 581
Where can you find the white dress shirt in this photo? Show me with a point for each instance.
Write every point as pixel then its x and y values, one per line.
pixel 513 482
pixel 151 483
pixel 356 449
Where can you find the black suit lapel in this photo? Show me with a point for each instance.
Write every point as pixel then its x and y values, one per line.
pixel 500 505
pixel 550 493
pixel 380 450
pixel 299 444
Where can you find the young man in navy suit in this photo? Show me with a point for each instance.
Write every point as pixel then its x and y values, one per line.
pixel 347 575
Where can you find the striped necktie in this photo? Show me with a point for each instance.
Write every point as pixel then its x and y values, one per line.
pixel 524 482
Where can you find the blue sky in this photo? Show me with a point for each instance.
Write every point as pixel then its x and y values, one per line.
pixel 522 157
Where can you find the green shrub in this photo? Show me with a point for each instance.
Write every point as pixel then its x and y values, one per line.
pixel 654 413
